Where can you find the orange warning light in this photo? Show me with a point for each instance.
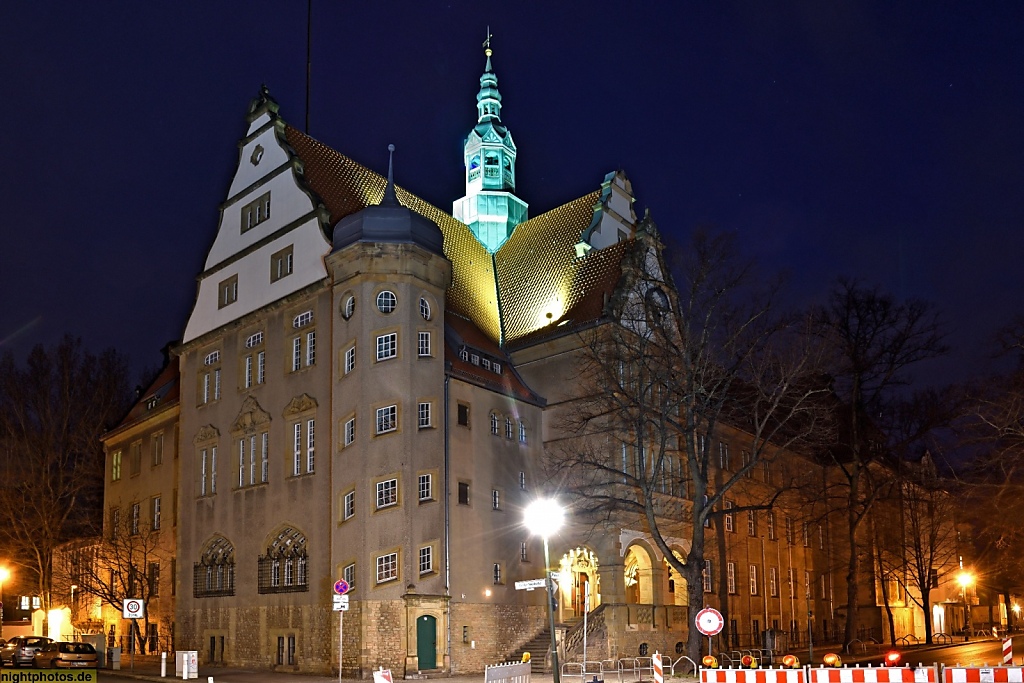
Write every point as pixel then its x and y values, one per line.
pixel 710 662
pixel 791 661
pixel 892 658
pixel 749 661
pixel 832 659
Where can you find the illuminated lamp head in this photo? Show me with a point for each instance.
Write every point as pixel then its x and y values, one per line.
pixel 791 662
pixel 709 662
pixel 892 658
pixel 749 661
pixel 526 657
pixel 832 659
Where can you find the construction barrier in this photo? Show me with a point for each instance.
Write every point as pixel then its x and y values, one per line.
pixel 982 674
pixel 752 676
pixel 1008 651
pixel 873 674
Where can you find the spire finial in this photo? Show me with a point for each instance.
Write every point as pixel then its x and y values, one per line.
pixel 390 198
pixel 487 48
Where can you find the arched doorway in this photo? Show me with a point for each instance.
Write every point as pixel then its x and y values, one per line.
pixel 580 588
pixel 676 588
pixel 637 574
pixel 426 642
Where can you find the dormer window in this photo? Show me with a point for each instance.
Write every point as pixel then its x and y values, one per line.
pixel 474 359
pixel 463 354
pixel 496 367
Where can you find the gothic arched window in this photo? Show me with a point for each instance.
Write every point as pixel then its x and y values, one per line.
pixel 283 568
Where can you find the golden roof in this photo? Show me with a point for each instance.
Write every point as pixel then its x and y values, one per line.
pixel 534 284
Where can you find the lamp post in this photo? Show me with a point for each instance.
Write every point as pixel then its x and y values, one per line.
pixel 4 575
pixel 544 518
pixel 965 579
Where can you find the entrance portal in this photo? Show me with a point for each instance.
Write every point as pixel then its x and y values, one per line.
pixel 582 594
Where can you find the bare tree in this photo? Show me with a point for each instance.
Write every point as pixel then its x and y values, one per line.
pixel 121 566
pixel 874 341
pixel 657 381
pixel 52 413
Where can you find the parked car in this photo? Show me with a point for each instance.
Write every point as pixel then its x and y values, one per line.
pixel 22 649
pixel 65 655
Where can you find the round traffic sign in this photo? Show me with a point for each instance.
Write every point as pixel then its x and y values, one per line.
pixel 710 621
pixel 133 606
pixel 341 586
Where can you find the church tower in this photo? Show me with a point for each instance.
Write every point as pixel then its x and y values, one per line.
pixel 490 208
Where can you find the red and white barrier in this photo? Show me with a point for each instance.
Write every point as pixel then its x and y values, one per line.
pixel 752 676
pixel 977 674
pixel 881 674
pixel 1008 651
pixel 659 672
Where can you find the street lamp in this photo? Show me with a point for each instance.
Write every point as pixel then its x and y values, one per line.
pixel 544 518
pixel 4 575
pixel 965 579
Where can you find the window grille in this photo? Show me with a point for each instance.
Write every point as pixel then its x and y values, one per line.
pixel 214 574
pixel 283 568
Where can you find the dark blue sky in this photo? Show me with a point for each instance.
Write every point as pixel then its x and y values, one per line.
pixel 876 140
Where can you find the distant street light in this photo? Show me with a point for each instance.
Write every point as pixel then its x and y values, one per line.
pixel 966 579
pixel 544 517
pixel 4 575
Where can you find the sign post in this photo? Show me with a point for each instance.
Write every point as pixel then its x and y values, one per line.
pixel 133 609
pixel 341 606
pixel 709 622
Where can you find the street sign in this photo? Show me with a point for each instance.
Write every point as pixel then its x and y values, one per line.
pixel 710 621
pixel 530 585
pixel 340 603
pixel 341 586
pixel 134 609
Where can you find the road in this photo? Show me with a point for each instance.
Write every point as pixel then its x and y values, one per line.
pixel 974 653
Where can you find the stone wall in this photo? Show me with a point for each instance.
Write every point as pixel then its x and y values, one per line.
pixel 494 632
pixel 383 637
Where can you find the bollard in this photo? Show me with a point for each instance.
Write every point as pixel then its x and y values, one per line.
pixel 163 665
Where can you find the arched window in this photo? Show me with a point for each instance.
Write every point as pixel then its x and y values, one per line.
pixel 349 307
pixel 424 308
pixel 494 423
pixel 214 574
pixel 283 568
pixel 508 428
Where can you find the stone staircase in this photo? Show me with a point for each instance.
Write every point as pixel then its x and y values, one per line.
pixel 538 649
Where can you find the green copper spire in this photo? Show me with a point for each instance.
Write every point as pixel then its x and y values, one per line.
pixel 490 208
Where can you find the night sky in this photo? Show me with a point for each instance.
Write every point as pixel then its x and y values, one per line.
pixel 883 141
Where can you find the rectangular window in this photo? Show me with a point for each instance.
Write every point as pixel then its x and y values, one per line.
pixel 213 470
pixel 204 468
pixel 423 344
pixel 115 466
pixel 423 415
pixel 228 292
pixel 349 574
pixel 426 559
pixel 730 577
pixel 247 372
pixel 255 212
pixel 115 522
pixel 751 523
pixel 807 534
pixel 281 263
pixel 157 449
pixel 265 458
pixel 311 348
pixel 807 584
pixel 387 493
pixel 495 499
pixel 463 415
pixel 522 432
pixel 241 463
pixel 789 530
pixel 387 567
pixel 154 580
pixel 261 367
pixel 463 493
pixel 746 459
pixel 296 353
pixel 349 505
pixel 310 447
pixel 496 574
pixel 350 431
pixel 723 456
pixel 387 419
pixel 252 460
pixel 154 513
pixel 350 359
pixel 753 579
pixel 770 519
pixel 766 469
pixel 821 537
pixel 773 581
pixel 728 517
pixel 135 458
pixel 425 487
pixel 387 346
pixel 524 555
pixel 522 481
pixel 296 449
pixel 706 576
pixel 136 513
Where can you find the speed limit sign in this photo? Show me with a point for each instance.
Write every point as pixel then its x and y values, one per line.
pixel 710 621
pixel 134 609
